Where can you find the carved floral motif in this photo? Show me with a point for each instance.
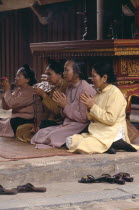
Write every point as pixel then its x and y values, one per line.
pixel 124 66
pixel 130 66
pixel 133 67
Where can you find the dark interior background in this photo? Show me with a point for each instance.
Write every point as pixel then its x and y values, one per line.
pixel 19 28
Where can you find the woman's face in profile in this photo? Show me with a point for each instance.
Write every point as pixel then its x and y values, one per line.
pixel 52 76
pixel 97 80
pixel 68 71
pixel 20 80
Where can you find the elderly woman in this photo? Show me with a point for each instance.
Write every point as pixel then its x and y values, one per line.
pixel 73 110
pixel 51 115
pixel 20 101
pixel 106 111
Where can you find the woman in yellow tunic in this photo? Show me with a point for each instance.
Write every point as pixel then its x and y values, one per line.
pixel 106 111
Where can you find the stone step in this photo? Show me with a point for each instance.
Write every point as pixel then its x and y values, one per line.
pixel 66 168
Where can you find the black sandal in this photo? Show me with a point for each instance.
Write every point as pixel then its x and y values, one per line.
pixel 102 178
pixel 108 178
pixel 125 176
pixel 30 188
pixel 3 191
pixel 118 178
pixel 87 179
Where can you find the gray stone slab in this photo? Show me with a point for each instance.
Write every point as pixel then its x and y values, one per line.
pixel 71 194
pixel 67 168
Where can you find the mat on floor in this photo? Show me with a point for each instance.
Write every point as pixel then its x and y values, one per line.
pixel 133 133
pixel 12 149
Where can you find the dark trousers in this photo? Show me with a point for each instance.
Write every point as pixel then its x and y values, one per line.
pixel 85 130
pixel 15 122
pixel 47 123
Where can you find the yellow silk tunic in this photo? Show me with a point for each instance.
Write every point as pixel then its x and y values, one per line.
pixel 106 116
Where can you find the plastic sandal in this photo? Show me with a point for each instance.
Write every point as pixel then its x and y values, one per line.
pixel 119 181
pixel 125 176
pixel 87 179
pixel 3 191
pixel 30 188
pixel 118 178
pixel 102 178
pixel 108 178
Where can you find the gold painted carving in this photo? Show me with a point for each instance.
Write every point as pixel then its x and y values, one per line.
pixel 130 66
pixel 125 82
pixel 124 66
pixel 126 51
pixel 133 67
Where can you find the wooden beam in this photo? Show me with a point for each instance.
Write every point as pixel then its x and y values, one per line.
pixel 42 2
pixel 115 47
pixel 6 5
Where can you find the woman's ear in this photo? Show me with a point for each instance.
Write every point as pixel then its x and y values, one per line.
pixel 105 77
pixel 77 75
pixel 60 75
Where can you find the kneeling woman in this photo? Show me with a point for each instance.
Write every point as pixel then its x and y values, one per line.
pixel 51 114
pixel 20 101
pixel 73 110
pixel 106 111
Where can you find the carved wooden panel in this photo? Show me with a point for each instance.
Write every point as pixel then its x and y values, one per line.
pixel 86 48
pixel 130 66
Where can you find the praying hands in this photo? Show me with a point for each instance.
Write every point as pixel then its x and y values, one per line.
pixel 88 100
pixel 5 85
pixel 60 99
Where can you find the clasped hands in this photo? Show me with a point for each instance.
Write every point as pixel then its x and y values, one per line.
pixel 5 85
pixel 88 100
pixel 60 99
pixel 39 91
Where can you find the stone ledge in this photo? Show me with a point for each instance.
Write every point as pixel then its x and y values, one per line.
pixel 66 168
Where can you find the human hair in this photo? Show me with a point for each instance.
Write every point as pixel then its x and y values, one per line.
pixel 104 68
pixel 79 68
pixel 57 67
pixel 29 74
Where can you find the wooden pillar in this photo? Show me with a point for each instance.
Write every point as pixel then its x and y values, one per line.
pixel 99 19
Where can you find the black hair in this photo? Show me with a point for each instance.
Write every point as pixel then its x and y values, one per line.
pixel 57 67
pixel 79 68
pixel 105 69
pixel 29 74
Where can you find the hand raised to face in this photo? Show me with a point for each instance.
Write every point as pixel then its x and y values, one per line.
pixel 60 99
pixel 88 100
pixel 5 85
